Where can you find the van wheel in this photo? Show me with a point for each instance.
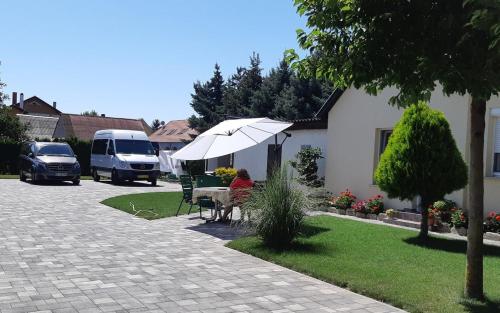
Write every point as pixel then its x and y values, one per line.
pixel 21 176
pixel 114 177
pixel 153 182
pixel 95 175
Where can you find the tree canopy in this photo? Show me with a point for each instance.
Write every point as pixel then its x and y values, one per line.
pixel 10 127
pixel 90 113
pixel 280 94
pixel 408 44
pixel 155 124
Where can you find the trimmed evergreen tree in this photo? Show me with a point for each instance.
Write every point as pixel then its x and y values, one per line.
pixel 421 159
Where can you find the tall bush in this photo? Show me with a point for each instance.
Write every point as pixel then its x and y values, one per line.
pixel 306 164
pixel 82 149
pixel 421 158
pixel 9 156
pixel 277 210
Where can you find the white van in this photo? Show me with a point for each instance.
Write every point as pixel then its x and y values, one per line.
pixel 124 155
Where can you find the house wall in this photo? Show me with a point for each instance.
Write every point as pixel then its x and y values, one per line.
pixel 254 159
pixel 354 124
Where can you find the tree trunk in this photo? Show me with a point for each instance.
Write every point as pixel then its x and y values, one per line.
pixel 474 271
pixel 424 222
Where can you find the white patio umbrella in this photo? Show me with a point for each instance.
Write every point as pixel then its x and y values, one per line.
pixel 230 136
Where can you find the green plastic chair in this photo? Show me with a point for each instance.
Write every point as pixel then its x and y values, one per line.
pixel 208 181
pixel 187 196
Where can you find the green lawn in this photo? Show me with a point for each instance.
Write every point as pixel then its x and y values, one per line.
pixel 164 204
pixel 384 263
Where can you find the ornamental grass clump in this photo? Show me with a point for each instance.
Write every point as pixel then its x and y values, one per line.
pixel 277 210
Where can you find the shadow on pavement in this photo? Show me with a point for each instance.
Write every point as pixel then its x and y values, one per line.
pixel 218 230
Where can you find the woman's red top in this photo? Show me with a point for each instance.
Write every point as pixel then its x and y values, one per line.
pixel 241 189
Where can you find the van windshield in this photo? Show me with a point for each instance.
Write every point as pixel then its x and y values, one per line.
pixel 59 150
pixel 134 147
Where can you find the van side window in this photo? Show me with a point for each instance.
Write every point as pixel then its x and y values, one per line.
pixel 99 146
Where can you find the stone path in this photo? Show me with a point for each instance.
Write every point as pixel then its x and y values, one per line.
pixel 62 251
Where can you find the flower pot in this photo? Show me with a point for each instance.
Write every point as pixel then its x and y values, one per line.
pixel 341 211
pixel 462 231
pixel 492 236
pixel 350 212
pixel 360 215
pixel 332 210
pixel 372 216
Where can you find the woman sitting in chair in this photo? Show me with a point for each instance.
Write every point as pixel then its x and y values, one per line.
pixel 240 190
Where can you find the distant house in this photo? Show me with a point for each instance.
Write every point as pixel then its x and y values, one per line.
pixel 33 106
pixel 40 116
pixel 40 127
pixel 173 135
pixel 84 127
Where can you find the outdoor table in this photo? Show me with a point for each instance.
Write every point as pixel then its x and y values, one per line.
pixel 220 195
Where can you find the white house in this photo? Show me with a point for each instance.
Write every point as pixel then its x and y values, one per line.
pixel 359 126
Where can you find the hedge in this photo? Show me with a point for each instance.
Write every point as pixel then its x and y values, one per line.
pixel 10 151
pixel 9 156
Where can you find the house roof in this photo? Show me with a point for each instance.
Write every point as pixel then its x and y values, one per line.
pixel 41 127
pixel 174 131
pixel 329 103
pixel 35 105
pixel 84 127
pixel 309 123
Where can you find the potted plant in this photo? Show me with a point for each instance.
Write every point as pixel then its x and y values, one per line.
pixel 391 213
pixel 445 209
pixel 460 222
pixel 343 202
pixel 375 206
pixel 433 217
pixel 226 174
pixel 360 209
pixel 492 223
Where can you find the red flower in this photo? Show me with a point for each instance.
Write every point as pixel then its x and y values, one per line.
pixel 497 218
pixel 492 214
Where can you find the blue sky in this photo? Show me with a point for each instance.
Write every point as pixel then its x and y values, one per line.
pixel 135 58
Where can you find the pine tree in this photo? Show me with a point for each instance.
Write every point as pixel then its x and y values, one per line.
pixel 207 102
pixel 263 100
pixel 155 124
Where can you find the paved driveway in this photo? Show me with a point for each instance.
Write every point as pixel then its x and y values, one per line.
pixel 62 251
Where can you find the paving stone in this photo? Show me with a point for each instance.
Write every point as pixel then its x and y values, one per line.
pixel 64 252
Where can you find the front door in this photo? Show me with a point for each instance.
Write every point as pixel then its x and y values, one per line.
pixel 273 158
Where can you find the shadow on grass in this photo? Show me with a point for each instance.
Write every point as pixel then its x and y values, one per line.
pixel 450 245
pixel 307 231
pixel 487 306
